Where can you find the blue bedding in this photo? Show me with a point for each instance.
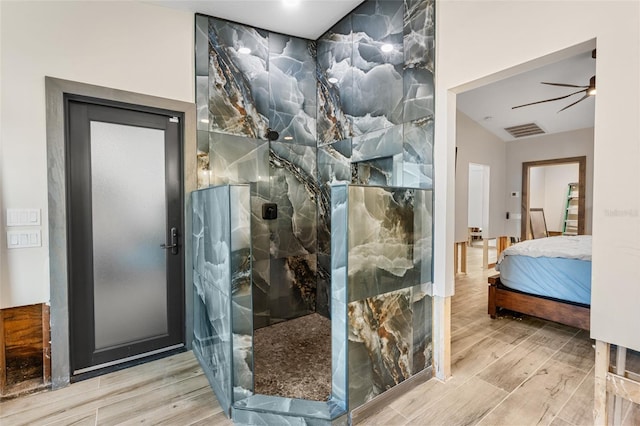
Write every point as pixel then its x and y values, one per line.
pixel 560 278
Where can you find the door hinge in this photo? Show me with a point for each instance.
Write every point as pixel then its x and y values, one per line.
pixel 174 120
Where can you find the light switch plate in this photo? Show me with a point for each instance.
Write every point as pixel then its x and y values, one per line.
pixel 24 239
pixel 23 217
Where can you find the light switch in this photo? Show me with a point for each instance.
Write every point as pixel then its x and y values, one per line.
pixel 23 217
pixel 24 239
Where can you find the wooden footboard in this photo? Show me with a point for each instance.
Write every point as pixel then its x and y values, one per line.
pixel 550 309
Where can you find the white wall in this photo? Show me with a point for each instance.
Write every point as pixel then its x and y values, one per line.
pixel 575 143
pixel 476 39
pixel 125 45
pixel 475 198
pixel 478 145
pixel 557 179
pixel 537 188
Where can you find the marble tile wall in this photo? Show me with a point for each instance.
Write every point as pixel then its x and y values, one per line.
pixel 223 326
pixel 375 90
pixel 381 266
pixel 347 111
pixel 239 96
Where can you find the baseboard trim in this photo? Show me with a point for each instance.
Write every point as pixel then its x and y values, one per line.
pixel 385 398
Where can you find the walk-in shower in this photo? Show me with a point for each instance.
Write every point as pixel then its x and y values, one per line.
pixel 312 248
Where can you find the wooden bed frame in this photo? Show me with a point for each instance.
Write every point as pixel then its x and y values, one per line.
pixel 567 313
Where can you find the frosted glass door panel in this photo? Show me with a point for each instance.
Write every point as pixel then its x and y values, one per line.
pixel 129 224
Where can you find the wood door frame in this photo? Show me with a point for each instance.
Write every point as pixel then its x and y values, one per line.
pixel 55 90
pixel 582 178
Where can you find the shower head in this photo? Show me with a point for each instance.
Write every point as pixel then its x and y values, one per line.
pixel 272 135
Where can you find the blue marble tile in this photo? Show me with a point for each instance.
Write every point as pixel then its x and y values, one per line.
pixel 334 162
pixel 217 228
pixel 419 34
pixel 202 102
pixel 258 418
pixel 378 172
pixel 334 166
pixel 339 259
pixel 202 168
pixel 261 272
pixel 377 97
pixel 381 241
pixel 418 94
pixel 335 77
pixel 238 82
pixel 294 188
pixel 422 307
pixel 202 72
pixel 323 292
pixel 212 340
pixel 339 241
pixel 237 159
pixel 197 233
pixel 293 287
pixel 292 88
pixel 423 235
pixel 241 303
pixel 377 144
pixel 289 407
pixel 418 142
pixel 380 332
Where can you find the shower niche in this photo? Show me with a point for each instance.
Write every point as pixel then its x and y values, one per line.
pixel 312 225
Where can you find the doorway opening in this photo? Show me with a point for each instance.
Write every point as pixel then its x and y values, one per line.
pixel 482 118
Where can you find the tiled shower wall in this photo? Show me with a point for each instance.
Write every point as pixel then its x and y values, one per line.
pixel 375 127
pixel 346 111
pixel 239 97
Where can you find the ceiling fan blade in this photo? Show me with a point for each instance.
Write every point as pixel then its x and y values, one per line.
pixel 564 85
pixel 579 100
pixel 549 100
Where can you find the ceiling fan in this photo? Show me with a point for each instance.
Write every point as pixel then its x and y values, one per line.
pixel 588 91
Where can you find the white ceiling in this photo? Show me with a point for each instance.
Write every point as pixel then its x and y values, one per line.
pixel 302 18
pixel 495 100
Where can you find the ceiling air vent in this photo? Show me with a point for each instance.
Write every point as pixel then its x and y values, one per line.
pixel 524 130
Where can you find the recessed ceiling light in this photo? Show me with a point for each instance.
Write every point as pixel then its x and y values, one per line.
pixel 288 138
pixel 332 80
pixel 387 47
pixel 244 50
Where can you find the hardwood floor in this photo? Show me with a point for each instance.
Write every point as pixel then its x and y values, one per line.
pixel 506 371
pixel 171 391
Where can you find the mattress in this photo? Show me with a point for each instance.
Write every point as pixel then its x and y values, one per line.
pixel 558 267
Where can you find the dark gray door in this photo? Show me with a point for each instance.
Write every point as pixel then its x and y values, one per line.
pixel 125 233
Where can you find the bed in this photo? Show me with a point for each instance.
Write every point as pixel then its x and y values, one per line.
pixel 548 278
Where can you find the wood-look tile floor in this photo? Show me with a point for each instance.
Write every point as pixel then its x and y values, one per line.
pixel 507 371
pixel 504 372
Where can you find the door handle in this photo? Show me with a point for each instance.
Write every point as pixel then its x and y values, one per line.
pixel 173 245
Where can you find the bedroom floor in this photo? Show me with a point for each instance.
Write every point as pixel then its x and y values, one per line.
pixel 505 372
